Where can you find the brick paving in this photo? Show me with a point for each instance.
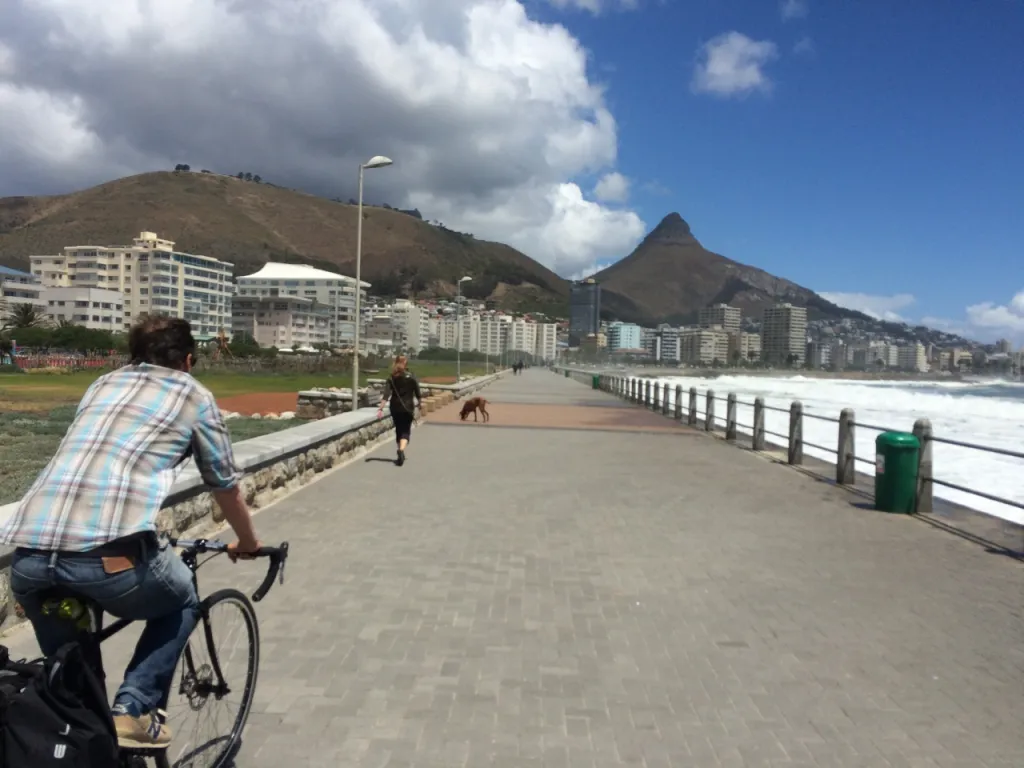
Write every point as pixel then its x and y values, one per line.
pixel 561 597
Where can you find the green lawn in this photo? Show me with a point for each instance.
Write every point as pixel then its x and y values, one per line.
pixel 35 392
pixel 36 410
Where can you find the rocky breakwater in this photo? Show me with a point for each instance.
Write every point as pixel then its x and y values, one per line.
pixel 323 402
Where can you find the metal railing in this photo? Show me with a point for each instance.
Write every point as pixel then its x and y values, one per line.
pixel 655 396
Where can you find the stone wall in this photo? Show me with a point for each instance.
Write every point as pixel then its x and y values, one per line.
pixel 275 465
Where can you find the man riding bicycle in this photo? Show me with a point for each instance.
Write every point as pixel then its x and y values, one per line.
pixel 88 522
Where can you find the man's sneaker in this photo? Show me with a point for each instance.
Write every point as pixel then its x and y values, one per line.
pixel 147 731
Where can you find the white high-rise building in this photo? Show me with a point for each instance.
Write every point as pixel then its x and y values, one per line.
pixel 152 277
pixel 522 337
pixel 412 325
pixel 94 308
pixel 494 335
pixel 784 335
pixel 913 358
pixel 334 291
pixel 547 341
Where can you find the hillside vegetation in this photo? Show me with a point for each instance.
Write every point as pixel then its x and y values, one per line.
pixel 250 224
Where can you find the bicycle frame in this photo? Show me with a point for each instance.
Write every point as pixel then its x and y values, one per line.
pixel 191 549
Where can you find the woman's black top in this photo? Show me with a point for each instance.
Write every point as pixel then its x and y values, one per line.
pixel 403 392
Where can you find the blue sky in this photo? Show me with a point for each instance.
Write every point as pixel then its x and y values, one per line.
pixel 871 148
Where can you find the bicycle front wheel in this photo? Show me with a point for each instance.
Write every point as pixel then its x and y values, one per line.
pixel 214 682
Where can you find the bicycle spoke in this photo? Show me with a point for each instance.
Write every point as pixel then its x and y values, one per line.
pixel 218 671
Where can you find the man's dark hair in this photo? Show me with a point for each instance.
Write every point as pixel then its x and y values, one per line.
pixel 161 340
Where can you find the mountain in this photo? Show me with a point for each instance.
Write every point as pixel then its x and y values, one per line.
pixel 671 276
pixel 249 224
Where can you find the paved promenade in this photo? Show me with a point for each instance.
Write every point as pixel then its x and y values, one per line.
pixel 583 583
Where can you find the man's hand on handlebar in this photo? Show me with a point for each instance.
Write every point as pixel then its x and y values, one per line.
pixel 239 550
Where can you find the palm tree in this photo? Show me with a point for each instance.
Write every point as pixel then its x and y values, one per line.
pixel 24 316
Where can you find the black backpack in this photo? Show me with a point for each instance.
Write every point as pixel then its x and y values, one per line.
pixel 54 713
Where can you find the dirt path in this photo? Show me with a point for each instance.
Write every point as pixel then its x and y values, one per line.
pixel 260 402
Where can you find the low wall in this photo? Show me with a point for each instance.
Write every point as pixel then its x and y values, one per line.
pixel 274 464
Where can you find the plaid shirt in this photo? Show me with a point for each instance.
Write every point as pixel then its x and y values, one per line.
pixel 115 466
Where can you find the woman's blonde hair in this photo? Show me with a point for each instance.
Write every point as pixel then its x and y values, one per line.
pixel 400 365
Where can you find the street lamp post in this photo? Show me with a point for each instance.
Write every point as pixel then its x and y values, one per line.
pixel 458 327
pixel 377 161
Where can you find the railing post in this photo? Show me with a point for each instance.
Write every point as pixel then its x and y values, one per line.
pixel 709 411
pixel 796 433
pixel 664 400
pixel 730 416
pixel 647 393
pixel 758 441
pixel 679 402
pixel 691 414
pixel 846 464
pixel 923 432
pixel 657 394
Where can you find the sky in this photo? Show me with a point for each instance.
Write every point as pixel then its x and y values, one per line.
pixel 872 150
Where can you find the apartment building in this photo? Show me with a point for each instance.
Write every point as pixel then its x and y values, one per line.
pixel 721 316
pixel 819 355
pixel 285 322
pixel 330 289
pixel 547 341
pixel 494 335
pixel 624 336
pixel 784 335
pixel 98 309
pixel 412 325
pixel 522 337
pixel 662 344
pixel 152 277
pixel 743 347
pixel 17 287
pixel 913 358
pixel 704 346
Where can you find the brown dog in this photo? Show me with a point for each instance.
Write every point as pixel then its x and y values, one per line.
pixel 472 406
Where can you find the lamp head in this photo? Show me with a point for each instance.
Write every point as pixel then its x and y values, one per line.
pixel 377 161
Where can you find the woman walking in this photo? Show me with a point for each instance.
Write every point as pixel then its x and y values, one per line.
pixel 402 394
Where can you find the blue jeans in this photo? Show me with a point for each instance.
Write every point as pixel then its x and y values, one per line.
pixel 158 590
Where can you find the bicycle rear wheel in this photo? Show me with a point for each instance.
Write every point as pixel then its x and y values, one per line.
pixel 214 682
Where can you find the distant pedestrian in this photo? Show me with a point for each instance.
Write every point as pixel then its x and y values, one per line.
pixel 402 395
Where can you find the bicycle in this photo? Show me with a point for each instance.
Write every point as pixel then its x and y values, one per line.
pixel 199 681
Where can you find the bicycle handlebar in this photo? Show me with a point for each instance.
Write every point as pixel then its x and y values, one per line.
pixel 277 556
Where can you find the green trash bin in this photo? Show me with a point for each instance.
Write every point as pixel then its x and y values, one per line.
pixel 595 383
pixel 896 458
pixel 567 373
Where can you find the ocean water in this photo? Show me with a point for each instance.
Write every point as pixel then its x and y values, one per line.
pixel 987 413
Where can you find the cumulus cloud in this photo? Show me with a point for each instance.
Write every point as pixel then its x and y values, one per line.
pixel 804 47
pixel 733 64
pixel 1008 318
pixel 880 307
pixel 793 9
pixel 597 6
pixel 612 187
pixel 985 321
pixel 489 115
